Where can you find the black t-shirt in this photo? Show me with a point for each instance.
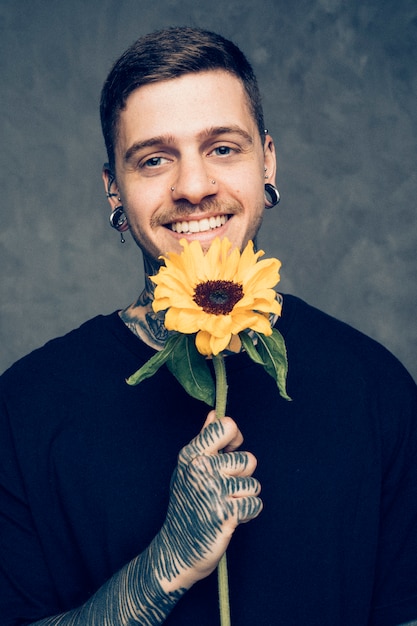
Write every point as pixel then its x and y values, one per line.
pixel 86 462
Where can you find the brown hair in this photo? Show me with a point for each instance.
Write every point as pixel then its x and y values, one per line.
pixel 167 54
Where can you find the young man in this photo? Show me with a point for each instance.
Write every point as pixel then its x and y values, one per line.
pixel 93 529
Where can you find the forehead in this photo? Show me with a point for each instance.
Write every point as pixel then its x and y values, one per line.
pixel 185 106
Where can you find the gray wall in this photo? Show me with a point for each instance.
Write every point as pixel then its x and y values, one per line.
pixel 339 79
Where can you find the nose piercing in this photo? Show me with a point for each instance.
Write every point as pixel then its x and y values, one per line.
pixel 213 182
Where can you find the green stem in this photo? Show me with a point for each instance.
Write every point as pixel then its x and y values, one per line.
pixel 221 385
pixel 223 586
pixel 222 575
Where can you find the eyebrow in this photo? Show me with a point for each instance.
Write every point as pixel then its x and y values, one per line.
pixel 225 130
pixel 148 143
pixel 167 140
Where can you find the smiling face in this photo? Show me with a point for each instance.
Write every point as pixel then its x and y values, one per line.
pixel 184 134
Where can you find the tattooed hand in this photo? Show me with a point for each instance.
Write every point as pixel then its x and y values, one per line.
pixel 211 493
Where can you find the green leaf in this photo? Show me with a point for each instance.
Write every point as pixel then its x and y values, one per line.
pixel 274 357
pixel 191 370
pixel 155 362
pixel 249 347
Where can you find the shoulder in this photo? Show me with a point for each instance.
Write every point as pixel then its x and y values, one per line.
pixel 313 334
pixel 60 349
pixel 79 360
pixel 341 366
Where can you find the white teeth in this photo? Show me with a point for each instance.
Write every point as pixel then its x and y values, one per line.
pixel 199 226
pixel 193 226
pixel 203 225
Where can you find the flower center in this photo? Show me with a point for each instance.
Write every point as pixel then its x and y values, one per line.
pixel 218 296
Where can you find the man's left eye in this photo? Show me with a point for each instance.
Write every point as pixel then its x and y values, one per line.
pixel 222 150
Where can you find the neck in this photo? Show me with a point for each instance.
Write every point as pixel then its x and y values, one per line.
pixel 140 318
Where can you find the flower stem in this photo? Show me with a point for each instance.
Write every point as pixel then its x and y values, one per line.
pixel 223 586
pixel 220 408
pixel 221 385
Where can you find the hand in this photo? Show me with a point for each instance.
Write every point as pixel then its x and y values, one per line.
pixel 211 493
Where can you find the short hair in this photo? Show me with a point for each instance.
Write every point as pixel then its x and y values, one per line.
pixel 167 54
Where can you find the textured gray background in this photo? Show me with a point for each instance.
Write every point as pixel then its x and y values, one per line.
pixel 339 82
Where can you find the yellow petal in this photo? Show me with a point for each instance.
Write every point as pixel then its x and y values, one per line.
pixel 175 284
pixel 262 325
pixel 217 344
pixel 193 260
pixel 230 267
pixel 265 303
pixel 242 321
pixel 248 259
pixel 216 325
pixel 202 342
pixel 182 320
pixel 265 274
pixel 161 304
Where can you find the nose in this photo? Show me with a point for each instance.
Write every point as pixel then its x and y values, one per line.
pixel 193 182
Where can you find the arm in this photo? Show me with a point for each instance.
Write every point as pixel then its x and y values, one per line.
pixel 211 493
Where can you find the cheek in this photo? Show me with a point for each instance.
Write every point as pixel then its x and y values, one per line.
pixel 141 203
pixel 249 193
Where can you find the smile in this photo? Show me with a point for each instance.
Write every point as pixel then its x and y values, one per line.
pixel 199 226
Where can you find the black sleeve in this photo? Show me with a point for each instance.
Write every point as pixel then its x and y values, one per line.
pixel 395 592
pixel 25 584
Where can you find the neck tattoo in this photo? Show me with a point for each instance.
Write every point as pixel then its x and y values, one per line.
pixel 140 318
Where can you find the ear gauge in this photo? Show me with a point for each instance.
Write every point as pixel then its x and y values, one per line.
pixel 118 220
pixel 272 196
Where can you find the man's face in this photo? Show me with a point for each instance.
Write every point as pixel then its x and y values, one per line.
pixel 184 134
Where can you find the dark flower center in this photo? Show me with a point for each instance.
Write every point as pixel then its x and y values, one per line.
pixel 218 296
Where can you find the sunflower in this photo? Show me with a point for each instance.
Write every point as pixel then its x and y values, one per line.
pixel 216 294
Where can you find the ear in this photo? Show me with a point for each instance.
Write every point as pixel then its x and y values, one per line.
pixel 110 186
pixel 270 160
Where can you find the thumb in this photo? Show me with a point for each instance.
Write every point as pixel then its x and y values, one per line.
pixel 211 417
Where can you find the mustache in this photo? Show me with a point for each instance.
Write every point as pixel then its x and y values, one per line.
pixel 183 208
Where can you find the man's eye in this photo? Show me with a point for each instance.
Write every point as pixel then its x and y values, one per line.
pixel 222 150
pixel 153 162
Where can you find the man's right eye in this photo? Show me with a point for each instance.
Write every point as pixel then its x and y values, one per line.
pixel 153 162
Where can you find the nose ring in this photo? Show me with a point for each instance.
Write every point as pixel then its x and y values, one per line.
pixel 172 188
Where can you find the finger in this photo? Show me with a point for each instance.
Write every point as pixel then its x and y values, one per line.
pixel 242 486
pixel 238 463
pixel 211 416
pixel 213 438
pixel 234 443
pixel 248 508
